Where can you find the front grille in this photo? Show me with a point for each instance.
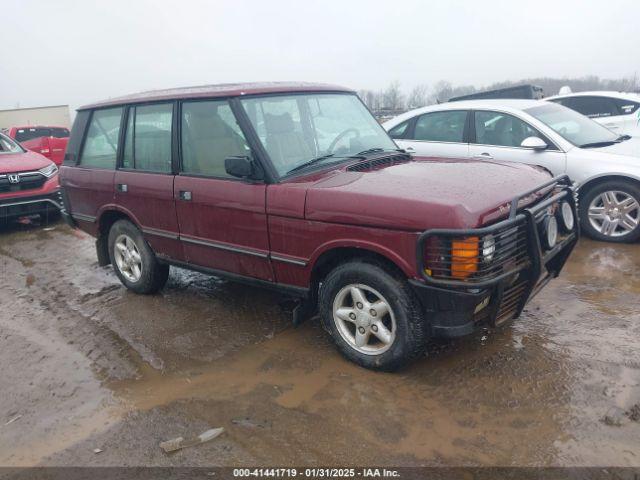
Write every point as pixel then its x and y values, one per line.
pixel 511 300
pixel 448 258
pixel 379 162
pixel 28 181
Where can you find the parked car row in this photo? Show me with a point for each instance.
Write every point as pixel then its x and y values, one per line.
pixel 296 187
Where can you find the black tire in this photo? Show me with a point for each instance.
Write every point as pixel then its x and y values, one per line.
pixel 153 275
pixel 411 327
pixel 587 197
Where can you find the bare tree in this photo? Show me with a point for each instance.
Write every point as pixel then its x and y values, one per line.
pixel 392 98
pixel 417 97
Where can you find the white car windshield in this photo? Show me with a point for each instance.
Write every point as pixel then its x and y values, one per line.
pixel 8 146
pixel 303 129
pixel 574 127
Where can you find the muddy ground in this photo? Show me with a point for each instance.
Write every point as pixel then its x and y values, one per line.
pixel 87 365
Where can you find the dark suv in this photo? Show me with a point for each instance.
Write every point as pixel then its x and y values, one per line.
pixel 297 187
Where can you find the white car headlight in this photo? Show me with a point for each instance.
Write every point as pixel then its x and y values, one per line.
pixel 49 171
pixel 567 217
pixel 488 248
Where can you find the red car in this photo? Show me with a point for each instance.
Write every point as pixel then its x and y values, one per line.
pixel 48 141
pixel 28 183
pixel 297 187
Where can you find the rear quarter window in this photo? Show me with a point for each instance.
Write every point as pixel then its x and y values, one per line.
pixel 626 107
pixel 101 143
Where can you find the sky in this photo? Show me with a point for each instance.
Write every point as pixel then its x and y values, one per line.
pixel 76 52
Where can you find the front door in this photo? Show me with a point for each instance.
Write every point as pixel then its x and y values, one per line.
pixel 223 221
pixel 499 135
pixel 437 134
pixel 144 181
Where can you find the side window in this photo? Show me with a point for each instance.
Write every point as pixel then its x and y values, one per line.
pixel 148 138
pixel 59 132
pixel 593 107
pixel 101 143
pixel 495 128
pixel 445 126
pixel 210 134
pixel 399 130
pixel 626 107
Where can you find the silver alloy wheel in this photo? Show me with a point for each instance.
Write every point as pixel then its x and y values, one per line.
pixel 127 257
pixel 364 319
pixel 614 213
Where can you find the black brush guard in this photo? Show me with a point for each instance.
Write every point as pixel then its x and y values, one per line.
pixel 449 301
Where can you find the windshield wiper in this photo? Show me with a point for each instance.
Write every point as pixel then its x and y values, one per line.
pixel 313 161
pixel 599 144
pixel 607 143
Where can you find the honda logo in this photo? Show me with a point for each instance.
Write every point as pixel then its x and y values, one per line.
pixel 14 178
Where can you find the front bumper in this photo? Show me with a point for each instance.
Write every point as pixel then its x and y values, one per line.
pixel 455 308
pixel 30 205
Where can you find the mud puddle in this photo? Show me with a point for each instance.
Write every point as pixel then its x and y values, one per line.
pixel 89 365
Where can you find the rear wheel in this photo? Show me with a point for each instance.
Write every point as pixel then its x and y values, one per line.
pixel 610 211
pixel 133 260
pixel 372 316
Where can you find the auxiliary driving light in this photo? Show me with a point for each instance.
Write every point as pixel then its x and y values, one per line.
pixel 488 248
pixel 567 217
pixel 550 232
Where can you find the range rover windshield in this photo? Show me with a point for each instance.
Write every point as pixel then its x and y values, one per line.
pixel 8 146
pixel 305 129
pixel 574 127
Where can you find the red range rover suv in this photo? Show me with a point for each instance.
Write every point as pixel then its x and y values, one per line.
pixel 297 187
pixel 28 183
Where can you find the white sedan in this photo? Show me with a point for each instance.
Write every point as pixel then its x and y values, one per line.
pixel 618 111
pixel 605 165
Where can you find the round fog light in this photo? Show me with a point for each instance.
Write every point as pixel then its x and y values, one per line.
pixel 568 220
pixel 550 236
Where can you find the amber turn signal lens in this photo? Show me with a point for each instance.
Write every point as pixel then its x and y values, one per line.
pixel 465 254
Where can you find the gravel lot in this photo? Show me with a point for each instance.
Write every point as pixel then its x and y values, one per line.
pixel 88 365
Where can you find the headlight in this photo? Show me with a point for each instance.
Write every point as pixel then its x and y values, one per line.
pixel 49 171
pixel 567 217
pixel 488 248
pixel 549 232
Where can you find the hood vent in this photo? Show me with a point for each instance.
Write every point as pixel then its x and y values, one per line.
pixel 372 163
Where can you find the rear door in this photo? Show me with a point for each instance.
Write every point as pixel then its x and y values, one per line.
pixel 223 221
pixel 88 184
pixel 144 180
pixel 436 134
pixel 499 135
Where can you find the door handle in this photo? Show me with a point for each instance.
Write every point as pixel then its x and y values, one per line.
pixel 184 195
pixel 410 149
pixel 483 156
pixel 122 187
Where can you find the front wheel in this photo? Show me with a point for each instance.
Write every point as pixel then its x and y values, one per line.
pixel 610 211
pixel 372 315
pixel 133 260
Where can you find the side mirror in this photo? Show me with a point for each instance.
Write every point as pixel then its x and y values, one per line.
pixel 241 167
pixel 534 143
